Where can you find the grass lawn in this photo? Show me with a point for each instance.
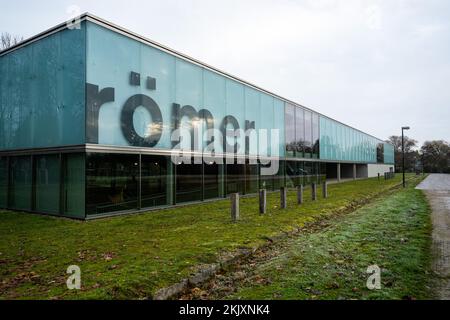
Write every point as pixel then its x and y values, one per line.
pixel 133 256
pixel 394 232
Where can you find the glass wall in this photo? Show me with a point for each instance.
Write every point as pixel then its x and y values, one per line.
pixel 343 143
pixel 301 132
pixel 198 92
pixel 212 172
pixel 235 178
pixel 189 182
pixel 20 184
pixel 48 174
pixel 154 181
pixel 74 185
pixel 111 182
pixel 42 92
pixel 3 182
pixel 290 130
pixel 251 178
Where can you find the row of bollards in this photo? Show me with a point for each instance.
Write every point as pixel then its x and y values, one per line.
pixel 283 199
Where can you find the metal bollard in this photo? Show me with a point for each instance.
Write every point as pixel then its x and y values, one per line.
pixel 283 198
pixel 234 207
pixel 314 191
pixel 300 194
pixel 325 189
pixel 262 201
pixel 378 176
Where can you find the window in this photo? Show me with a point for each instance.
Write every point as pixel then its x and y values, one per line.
pixel 20 183
pixel 308 134
pixel 188 182
pixel 47 183
pixel 153 181
pixel 211 180
pixel 235 178
pixel 299 131
pixel 112 182
pixel 380 153
pixel 74 185
pixel 290 129
pixel 3 182
pixel 251 178
pixel 315 135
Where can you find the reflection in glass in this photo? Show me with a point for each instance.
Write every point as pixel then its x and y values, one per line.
pixel 290 130
pixel 235 178
pixel 154 181
pixel 47 183
pixel 74 185
pixel 251 178
pixel 3 182
pixel 189 182
pixel 20 183
pixel 211 180
pixel 299 131
pixel 112 182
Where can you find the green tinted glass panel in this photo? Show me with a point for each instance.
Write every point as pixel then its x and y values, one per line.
pixel 74 185
pixel 42 92
pixel 3 181
pixel 111 57
pixel 339 142
pixel 47 183
pixel 20 183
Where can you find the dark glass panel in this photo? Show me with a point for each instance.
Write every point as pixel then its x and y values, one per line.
pixel 380 153
pixel 74 185
pixel 211 180
pixel 309 172
pixel 290 129
pixel 300 131
pixel 189 182
pixel 251 178
pixel 3 182
pixel 153 181
pixel 235 178
pixel 112 182
pixel 47 183
pixel 278 179
pixel 315 135
pixel 308 134
pixel 20 183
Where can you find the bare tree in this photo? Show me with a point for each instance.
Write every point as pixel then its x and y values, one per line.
pixel 411 154
pixel 436 156
pixel 7 40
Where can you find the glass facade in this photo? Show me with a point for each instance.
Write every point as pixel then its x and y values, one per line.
pixel 20 183
pixel 48 174
pixel 3 182
pixel 95 86
pixel 44 83
pixel 112 182
pixel 339 142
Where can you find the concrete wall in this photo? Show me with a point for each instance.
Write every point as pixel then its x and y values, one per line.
pixel 374 169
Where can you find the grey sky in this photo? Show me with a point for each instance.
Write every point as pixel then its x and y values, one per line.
pixel 375 65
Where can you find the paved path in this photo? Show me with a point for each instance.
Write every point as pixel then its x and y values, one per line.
pixel 437 190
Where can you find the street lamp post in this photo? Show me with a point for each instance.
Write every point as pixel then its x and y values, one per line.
pixel 403 155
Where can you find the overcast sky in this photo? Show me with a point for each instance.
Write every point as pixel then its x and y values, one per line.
pixel 375 65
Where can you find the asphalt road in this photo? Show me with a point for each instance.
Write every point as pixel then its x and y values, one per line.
pixel 437 190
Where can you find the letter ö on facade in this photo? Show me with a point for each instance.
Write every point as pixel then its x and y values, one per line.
pixel 127 125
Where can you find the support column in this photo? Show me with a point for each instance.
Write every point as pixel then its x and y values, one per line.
pixel 234 197
pixel 338 172
pixel 283 197
pixel 262 201
pixel 354 171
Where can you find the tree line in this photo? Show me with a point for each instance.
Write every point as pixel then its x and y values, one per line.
pixel 431 157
